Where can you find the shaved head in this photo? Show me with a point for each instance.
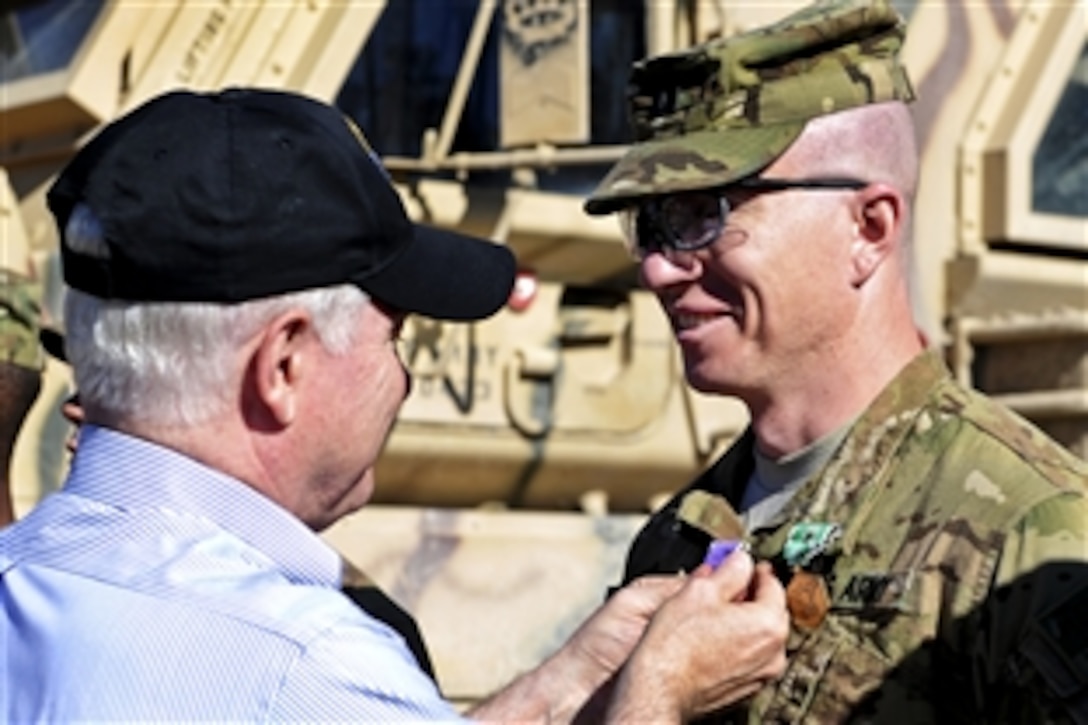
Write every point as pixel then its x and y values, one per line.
pixel 874 142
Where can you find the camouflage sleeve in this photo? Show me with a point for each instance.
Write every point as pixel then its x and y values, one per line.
pixel 1031 662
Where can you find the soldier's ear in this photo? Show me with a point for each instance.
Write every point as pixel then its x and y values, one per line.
pixel 879 220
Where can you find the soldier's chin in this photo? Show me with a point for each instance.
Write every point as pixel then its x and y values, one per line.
pixel 702 382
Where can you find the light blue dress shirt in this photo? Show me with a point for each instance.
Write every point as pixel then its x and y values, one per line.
pixel 154 588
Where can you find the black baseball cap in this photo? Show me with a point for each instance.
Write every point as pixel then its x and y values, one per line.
pixel 247 193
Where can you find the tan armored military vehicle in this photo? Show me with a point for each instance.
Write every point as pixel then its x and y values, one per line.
pixel 533 444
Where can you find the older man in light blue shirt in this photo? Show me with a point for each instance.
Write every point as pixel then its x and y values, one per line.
pixel 239 269
pixel 187 573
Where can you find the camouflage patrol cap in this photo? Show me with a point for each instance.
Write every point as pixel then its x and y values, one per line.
pixel 725 109
pixel 19 318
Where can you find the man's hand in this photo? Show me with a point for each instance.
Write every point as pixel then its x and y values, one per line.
pixel 681 645
pixel 717 640
pixel 608 637
pixel 572 682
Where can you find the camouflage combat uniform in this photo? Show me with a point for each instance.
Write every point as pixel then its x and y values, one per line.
pixel 959 581
pixel 21 360
pixel 19 319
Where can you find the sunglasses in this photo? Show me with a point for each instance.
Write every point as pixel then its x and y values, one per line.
pixel 691 220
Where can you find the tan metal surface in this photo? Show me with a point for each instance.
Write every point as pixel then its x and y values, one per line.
pixel 544 96
pixel 493 593
pixel 1041 55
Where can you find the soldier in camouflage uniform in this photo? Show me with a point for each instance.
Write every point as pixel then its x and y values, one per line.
pixel 20 370
pixel 933 544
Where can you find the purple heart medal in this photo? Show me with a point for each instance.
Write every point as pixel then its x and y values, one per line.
pixel 720 549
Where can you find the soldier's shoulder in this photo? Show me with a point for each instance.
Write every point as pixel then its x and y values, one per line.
pixel 1006 441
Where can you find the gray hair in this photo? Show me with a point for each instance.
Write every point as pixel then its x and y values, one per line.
pixel 168 363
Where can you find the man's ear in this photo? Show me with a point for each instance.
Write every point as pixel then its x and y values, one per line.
pixel 878 228
pixel 276 368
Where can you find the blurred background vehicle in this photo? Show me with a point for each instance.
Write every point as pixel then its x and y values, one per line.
pixel 533 444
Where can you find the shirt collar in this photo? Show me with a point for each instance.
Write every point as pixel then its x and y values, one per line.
pixel 131 473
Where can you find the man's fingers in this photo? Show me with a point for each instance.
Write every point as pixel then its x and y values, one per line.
pixel 733 576
pixel 647 593
pixel 766 588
